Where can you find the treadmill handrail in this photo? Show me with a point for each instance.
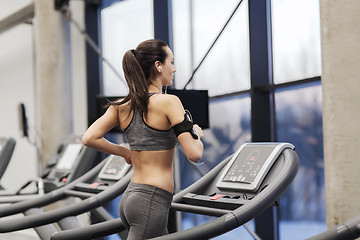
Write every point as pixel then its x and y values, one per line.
pixel 350 229
pixel 82 195
pixel 48 198
pixel 242 214
pixel 92 231
pixel 215 212
pixel 52 216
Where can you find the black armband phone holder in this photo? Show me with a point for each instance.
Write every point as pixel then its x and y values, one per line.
pixel 186 126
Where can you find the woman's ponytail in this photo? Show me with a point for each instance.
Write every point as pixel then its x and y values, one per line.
pixel 138 66
pixel 136 81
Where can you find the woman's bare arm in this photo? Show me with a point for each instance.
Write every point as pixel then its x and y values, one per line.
pixel 94 136
pixel 193 148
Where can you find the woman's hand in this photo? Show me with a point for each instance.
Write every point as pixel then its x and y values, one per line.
pixel 124 151
pixel 127 157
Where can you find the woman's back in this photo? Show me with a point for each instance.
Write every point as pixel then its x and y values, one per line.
pixel 153 167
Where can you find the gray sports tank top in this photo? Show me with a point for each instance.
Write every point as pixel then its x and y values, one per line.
pixel 142 137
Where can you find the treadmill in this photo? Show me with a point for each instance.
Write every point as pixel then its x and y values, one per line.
pixel 69 160
pixel 95 188
pixel 235 191
pixel 238 189
pixel 7 146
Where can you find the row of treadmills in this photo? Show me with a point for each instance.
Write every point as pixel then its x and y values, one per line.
pixel 235 191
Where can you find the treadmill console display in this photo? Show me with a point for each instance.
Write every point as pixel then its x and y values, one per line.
pixel 248 167
pixel 69 156
pixel 114 169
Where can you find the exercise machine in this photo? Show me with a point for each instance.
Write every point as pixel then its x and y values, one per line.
pixel 235 191
pixel 98 186
pixel 70 160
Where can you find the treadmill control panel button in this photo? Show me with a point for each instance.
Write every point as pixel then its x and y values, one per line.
pixel 217 196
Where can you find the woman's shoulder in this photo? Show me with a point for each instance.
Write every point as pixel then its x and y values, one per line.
pixel 165 103
pixel 168 100
pixel 120 108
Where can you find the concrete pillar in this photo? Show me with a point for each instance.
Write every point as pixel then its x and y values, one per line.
pixel 52 59
pixel 340 34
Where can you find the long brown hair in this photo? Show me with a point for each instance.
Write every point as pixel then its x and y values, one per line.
pixel 138 65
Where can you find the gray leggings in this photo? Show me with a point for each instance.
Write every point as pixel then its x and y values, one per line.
pixel 144 210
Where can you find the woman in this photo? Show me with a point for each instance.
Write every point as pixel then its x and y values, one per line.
pixel 153 123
